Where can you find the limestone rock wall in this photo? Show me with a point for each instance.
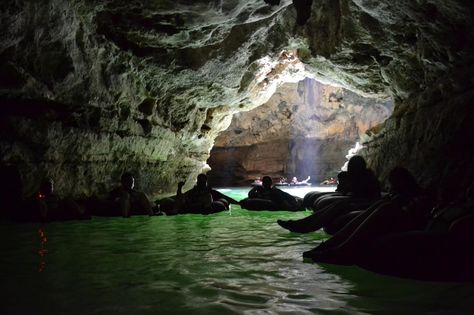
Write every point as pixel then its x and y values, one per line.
pixel 305 129
pixel 432 136
pixel 91 88
pixel 422 51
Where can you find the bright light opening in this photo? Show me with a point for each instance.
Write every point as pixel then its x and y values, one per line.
pixel 303 129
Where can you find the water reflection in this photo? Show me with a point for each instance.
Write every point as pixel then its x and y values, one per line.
pixel 42 251
pixel 373 293
pixel 217 264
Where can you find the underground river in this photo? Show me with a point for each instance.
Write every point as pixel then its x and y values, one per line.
pixel 228 263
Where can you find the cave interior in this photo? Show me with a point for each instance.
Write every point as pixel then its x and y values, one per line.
pixel 89 90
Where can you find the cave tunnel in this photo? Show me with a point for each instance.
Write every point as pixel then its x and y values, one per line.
pixel 90 92
pixel 167 90
pixel 304 130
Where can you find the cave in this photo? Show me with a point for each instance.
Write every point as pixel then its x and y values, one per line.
pixel 91 91
pixel 305 130
pixel 168 90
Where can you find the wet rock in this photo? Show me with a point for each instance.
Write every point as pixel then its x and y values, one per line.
pixel 305 129
pixel 200 62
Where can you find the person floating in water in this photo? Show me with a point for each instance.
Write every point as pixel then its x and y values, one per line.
pixel 268 197
pixel 47 206
pixel 125 200
pixel 257 182
pixel 296 182
pixel 282 182
pixel 342 189
pixel 406 208
pixel 329 181
pixel 361 189
pixel 199 199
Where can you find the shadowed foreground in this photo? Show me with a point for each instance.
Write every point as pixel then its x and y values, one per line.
pixel 223 263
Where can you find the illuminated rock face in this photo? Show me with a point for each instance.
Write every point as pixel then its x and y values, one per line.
pixel 305 129
pixel 90 89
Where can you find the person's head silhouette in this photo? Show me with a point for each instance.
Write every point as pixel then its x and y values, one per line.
pixel 267 182
pixel 201 181
pixel 128 181
pixel 356 164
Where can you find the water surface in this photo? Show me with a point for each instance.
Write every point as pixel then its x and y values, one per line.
pixel 237 262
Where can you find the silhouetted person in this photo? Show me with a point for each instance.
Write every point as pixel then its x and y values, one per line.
pixel 361 190
pixel 362 181
pixel 442 251
pixel 47 206
pixel 450 208
pixel 405 209
pixel 343 183
pixel 124 200
pixel 295 181
pixel 402 185
pixel 268 197
pixel 342 189
pixel 199 199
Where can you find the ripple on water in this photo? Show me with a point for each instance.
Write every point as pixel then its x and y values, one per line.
pixel 216 264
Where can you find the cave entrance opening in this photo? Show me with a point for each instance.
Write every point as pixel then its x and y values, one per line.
pixel 304 130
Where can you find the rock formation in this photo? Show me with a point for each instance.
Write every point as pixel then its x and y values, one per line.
pixel 305 129
pixel 89 89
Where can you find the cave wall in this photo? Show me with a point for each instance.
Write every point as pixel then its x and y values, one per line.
pixel 91 88
pixel 305 129
pixel 430 134
pixel 422 51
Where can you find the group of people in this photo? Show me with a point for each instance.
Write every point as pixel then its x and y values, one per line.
pixel 406 232
pixel 45 205
pixel 125 200
pixel 293 182
pixel 268 197
pixel 201 199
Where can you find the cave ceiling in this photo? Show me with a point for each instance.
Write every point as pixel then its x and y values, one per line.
pixel 167 75
pixel 209 53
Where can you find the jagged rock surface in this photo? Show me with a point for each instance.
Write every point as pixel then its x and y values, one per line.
pixel 92 88
pixel 305 129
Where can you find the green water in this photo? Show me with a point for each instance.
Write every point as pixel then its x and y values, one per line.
pixel 237 262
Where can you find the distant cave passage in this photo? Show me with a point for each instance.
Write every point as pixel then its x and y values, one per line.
pixel 305 129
